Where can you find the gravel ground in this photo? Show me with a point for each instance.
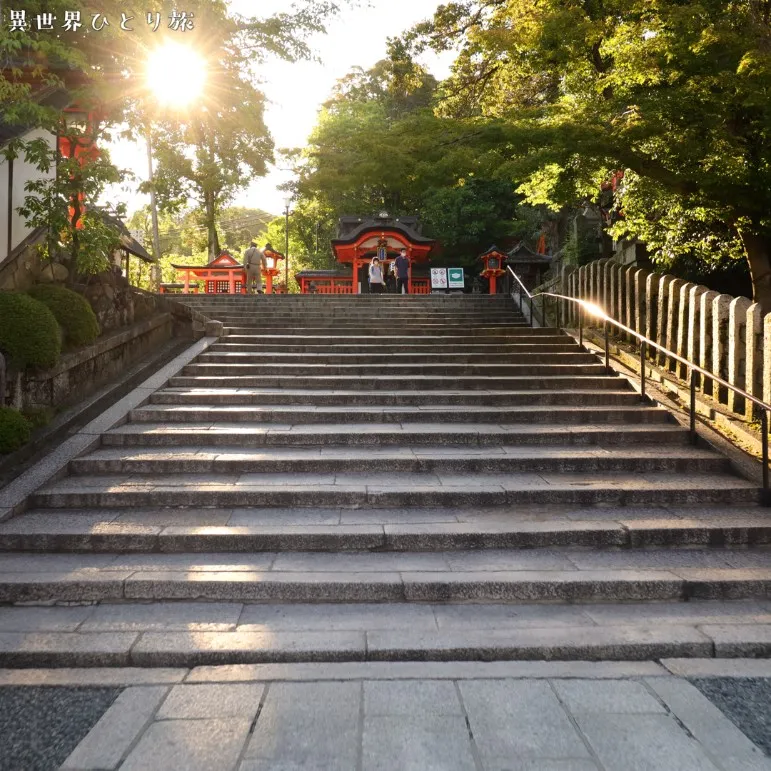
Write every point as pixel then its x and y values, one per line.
pixel 40 727
pixel 745 701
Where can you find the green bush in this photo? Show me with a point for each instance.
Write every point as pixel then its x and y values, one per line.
pixel 38 417
pixel 72 311
pixel 14 430
pixel 29 332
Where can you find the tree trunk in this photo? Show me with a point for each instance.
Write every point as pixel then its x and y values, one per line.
pixel 757 247
pixel 211 227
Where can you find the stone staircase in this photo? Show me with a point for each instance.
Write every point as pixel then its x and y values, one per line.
pixel 387 478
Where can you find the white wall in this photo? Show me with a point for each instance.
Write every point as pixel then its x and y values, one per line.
pixel 3 209
pixel 22 173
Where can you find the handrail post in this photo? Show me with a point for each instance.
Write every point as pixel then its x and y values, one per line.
pixel 764 443
pixel 642 370
pixel 607 348
pixel 694 437
pixel 581 325
pixel 532 323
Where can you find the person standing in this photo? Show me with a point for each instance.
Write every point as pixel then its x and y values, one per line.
pixel 402 263
pixel 375 276
pixel 254 262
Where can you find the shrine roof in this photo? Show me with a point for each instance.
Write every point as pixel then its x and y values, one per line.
pixel 493 250
pixel 523 253
pixel 350 229
pixel 127 241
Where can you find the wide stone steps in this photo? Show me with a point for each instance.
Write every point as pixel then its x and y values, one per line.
pixel 301 577
pixel 385 434
pixel 399 459
pixel 382 347
pixel 192 530
pixel 366 478
pixel 318 397
pixel 290 415
pixel 415 369
pixel 406 357
pixel 385 489
pixel 389 383
pixel 189 634
pixel 516 336
pixel 372 331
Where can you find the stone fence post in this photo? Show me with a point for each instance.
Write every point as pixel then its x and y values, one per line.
pixel 737 351
pixel 754 355
pixel 721 311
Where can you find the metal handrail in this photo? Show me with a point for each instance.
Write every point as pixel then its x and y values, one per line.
pixel 595 310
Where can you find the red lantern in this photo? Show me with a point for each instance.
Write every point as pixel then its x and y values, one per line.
pixel 493 266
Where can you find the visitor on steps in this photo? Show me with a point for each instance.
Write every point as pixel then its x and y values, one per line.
pixel 402 263
pixel 375 277
pixel 254 262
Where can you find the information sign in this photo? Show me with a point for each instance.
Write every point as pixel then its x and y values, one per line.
pixel 438 278
pixel 455 278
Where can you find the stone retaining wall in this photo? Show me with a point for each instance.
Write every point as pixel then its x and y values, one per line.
pixel 729 336
pixel 81 372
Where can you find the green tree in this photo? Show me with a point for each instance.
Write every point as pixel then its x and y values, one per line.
pixel 675 92
pixel 379 144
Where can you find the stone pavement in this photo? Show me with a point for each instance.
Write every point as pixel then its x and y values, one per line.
pixel 539 716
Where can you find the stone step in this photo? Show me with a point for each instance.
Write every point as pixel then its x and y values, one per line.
pixel 370 332
pixel 520 336
pixel 286 416
pixel 320 577
pixel 387 434
pixel 185 634
pixel 382 489
pixel 381 327
pixel 244 396
pixel 478 530
pixel 399 459
pixel 389 384
pixel 409 346
pixel 448 369
pixel 386 314
pixel 575 356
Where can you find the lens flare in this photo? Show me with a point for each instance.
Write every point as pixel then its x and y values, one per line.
pixel 175 74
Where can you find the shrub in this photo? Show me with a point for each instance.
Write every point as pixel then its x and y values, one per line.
pixel 71 310
pixel 29 332
pixel 38 417
pixel 14 430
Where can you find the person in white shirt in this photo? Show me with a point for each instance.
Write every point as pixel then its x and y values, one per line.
pixel 376 284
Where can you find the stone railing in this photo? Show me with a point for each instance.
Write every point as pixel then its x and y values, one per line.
pixel 729 336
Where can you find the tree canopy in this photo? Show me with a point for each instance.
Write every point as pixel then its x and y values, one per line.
pixel 674 93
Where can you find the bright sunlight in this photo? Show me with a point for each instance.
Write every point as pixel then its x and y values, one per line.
pixel 176 74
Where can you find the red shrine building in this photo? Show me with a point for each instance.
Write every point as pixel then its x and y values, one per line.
pixel 360 239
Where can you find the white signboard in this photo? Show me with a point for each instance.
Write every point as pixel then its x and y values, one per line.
pixel 455 278
pixel 438 278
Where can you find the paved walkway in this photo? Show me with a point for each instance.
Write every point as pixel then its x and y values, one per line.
pixel 539 716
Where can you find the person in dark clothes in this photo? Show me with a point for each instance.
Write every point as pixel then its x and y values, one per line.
pixel 402 263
